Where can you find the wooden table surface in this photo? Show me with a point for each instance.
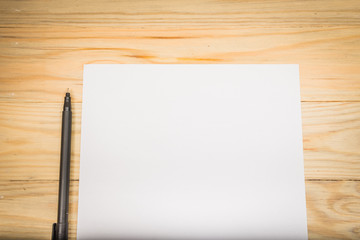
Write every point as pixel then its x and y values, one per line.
pixel 44 45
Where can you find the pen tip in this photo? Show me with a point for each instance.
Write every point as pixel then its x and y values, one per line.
pixel 67 90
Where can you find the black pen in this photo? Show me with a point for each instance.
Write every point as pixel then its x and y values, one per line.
pixel 60 229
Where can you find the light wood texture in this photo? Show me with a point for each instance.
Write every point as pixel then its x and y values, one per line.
pixel 43 46
pixel 333 209
pixel 331 139
pixel 28 209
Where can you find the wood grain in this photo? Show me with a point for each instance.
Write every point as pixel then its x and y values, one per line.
pixel 44 45
pixel 30 135
pixel 28 208
pixel 333 209
pixel 331 138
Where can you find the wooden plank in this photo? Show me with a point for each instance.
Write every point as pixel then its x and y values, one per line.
pixel 37 68
pixel 30 140
pixel 333 209
pixel 30 137
pixel 174 12
pixel 331 138
pixel 28 208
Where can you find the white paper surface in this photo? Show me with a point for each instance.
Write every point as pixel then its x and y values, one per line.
pixel 191 152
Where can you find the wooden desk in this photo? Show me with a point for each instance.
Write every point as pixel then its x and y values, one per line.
pixel 44 45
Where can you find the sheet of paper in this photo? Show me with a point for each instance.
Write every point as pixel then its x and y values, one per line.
pixel 191 152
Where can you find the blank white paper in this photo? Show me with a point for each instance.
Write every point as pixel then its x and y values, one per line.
pixel 191 152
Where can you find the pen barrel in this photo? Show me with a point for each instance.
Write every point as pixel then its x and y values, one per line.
pixel 63 201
